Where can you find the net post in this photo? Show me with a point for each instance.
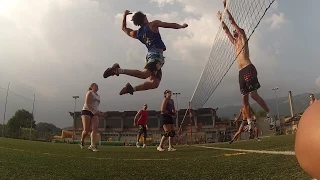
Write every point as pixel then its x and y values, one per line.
pixel 190 116
pixel 179 135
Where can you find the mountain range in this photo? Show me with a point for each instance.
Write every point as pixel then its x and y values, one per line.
pixel 300 103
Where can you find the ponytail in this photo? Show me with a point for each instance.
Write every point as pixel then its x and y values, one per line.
pixel 91 86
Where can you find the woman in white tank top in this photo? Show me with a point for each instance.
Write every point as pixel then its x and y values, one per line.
pixel 90 115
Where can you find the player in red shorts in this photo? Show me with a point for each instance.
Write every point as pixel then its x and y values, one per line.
pixel 141 117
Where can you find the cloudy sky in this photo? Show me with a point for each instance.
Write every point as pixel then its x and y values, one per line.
pixel 57 48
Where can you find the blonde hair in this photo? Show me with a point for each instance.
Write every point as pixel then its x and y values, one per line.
pixel 91 86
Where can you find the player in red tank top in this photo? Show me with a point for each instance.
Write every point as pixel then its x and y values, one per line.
pixel 142 117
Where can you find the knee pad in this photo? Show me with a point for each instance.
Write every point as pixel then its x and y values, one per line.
pixel 166 134
pixel 172 133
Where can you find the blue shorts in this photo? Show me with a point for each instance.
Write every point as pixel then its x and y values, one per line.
pixel 154 63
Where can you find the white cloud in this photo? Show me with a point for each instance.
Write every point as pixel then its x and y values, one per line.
pixel 276 21
pixel 162 3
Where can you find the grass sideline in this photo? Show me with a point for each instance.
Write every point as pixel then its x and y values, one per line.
pixel 38 160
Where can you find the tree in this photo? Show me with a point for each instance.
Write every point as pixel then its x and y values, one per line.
pixel 21 119
pixel 25 133
pixel 45 131
pixel 1 127
pixel 260 113
pixel 225 118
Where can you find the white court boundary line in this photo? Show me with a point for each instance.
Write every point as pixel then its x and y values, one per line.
pixel 288 153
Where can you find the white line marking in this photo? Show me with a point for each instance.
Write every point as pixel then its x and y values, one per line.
pixel 289 153
pixel 146 159
pixel 99 158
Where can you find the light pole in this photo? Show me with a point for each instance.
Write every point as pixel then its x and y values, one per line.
pixel 74 115
pixel 275 93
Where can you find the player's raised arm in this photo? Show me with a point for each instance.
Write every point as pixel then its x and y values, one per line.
pixel 231 19
pixel 225 27
pixel 158 23
pixel 128 31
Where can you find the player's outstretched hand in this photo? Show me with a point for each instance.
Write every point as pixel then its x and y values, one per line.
pixel 184 25
pixel 127 12
pixel 224 3
pixel 219 15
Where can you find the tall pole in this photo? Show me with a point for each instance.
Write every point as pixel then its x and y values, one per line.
pixel 5 109
pixel 190 115
pixel 74 116
pixel 275 93
pixel 32 118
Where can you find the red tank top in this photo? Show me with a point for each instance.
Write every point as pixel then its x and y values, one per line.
pixel 143 118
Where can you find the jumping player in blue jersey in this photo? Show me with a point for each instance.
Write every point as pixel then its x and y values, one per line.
pixel 149 35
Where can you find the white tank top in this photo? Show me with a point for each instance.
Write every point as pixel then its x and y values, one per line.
pixel 94 103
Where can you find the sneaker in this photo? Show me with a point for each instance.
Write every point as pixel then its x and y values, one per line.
pixel 93 148
pixel 272 123
pixel 230 142
pixel 137 144
pixel 111 71
pixel 160 148
pixel 128 89
pixel 81 145
pixel 144 146
pixel 258 139
pixel 171 149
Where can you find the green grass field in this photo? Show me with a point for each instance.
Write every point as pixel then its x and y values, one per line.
pixel 21 159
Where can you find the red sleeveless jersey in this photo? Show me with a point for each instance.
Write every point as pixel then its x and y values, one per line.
pixel 143 118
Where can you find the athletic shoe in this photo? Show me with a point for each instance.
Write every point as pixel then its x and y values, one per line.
pixel 230 142
pixel 81 145
pixel 137 144
pixel 258 139
pixel 144 146
pixel 160 148
pixel 272 123
pixel 111 71
pixel 93 148
pixel 272 126
pixel 128 89
pixel 171 149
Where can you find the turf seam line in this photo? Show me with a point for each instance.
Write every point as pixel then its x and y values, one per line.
pixel 88 157
pixel 288 153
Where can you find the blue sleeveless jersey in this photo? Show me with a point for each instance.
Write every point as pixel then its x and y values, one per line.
pixel 150 39
pixel 169 106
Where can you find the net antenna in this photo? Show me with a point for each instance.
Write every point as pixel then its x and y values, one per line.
pixel 248 15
